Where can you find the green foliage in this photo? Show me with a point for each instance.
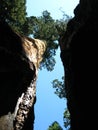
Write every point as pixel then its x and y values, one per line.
pixel 13 12
pixel 66 119
pixel 60 87
pixel 28 26
pixel 62 24
pixel 44 27
pixel 48 29
pixel 55 126
pixel 61 92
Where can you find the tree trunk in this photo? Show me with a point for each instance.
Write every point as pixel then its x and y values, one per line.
pixel 79 53
pixel 20 58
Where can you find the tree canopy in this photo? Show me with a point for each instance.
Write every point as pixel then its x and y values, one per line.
pixel 43 27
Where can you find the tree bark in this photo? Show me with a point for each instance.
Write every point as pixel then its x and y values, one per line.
pixel 79 56
pixel 20 59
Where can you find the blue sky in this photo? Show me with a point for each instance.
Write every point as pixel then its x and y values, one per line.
pixel 49 107
pixel 36 7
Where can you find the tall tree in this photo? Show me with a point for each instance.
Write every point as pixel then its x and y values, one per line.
pixel 48 29
pixel 45 29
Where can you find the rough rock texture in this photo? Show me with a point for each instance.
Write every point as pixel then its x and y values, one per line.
pixel 79 54
pixel 20 57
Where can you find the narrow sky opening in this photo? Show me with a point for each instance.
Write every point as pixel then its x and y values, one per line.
pixel 49 107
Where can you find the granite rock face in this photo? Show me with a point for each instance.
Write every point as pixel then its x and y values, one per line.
pixel 79 53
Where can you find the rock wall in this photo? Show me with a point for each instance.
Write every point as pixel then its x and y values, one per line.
pixel 79 56
pixel 20 57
